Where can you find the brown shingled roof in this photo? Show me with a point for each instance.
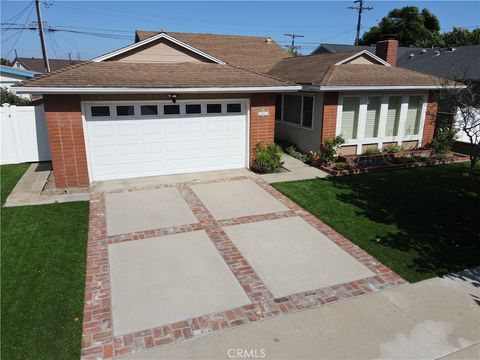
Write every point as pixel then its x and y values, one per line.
pixel 321 70
pixel 153 75
pixel 36 64
pixel 250 52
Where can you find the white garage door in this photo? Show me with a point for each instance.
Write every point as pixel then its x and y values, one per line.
pixel 132 139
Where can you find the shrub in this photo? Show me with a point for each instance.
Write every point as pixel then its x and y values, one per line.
pixel 372 151
pixel 293 152
pixel 328 152
pixel 11 98
pixel 443 140
pixel 391 149
pixel 341 166
pixel 267 158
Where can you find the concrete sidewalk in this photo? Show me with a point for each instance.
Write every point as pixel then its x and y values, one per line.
pixel 431 319
pixel 29 190
pixel 297 170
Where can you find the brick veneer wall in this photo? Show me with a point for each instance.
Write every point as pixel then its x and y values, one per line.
pixel 430 118
pixel 329 120
pixel 262 128
pixel 67 145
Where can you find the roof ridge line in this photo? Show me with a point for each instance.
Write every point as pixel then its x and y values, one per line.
pixel 43 76
pixel 261 74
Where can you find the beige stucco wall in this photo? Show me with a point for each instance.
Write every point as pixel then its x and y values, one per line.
pixel 160 52
pixel 305 139
pixel 363 60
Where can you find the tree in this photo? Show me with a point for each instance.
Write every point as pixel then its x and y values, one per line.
pixel 11 98
pixel 461 36
pixel 6 62
pixel 461 100
pixel 407 25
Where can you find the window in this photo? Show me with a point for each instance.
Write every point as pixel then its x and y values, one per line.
pixel 292 109
pixel 307 111
pixel 149 110
pixel 193 109
pixel 414 113
pixel 214 108
pixel 278 107
pixel 393 115
pixel 297 109
pixel 100 111
pixel 171 109
pixel 372 120
pixel 125 110
pixel 350 110
pixel 234 108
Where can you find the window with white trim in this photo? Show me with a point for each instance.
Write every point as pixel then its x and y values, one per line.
pixel 414 114
pixel 374 104
pixel 296 110
pixel 393 115
pixel 350 112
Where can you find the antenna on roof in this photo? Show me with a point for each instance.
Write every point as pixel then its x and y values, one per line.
pixel 360 9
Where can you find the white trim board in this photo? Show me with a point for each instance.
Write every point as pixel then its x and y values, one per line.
pixel 363 52
pixel 162 35
pixel 105 90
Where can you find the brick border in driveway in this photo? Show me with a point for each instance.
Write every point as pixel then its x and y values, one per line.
pixel 98 340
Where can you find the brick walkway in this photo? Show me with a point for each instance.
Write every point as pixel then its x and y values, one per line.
pixel 98 340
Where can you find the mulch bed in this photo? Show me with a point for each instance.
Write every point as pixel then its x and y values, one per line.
pixel 359 164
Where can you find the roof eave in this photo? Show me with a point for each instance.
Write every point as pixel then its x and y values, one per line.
pixel 130 90
pixel 378 87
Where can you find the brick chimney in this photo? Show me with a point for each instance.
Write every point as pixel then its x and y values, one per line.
pixel 387 50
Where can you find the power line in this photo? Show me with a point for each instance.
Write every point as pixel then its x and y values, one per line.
pixel 19 14
pixel 20 34
pixel 360 9
pixel 292 46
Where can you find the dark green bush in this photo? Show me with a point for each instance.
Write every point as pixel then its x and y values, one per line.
pixel 267 158
pixel 391 149
pixel 11 98
pixel 341 166
pixel 293 152
pixel 328 151
pixel 443 140
pixel 372 151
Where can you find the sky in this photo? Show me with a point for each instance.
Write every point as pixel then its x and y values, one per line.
pixel 318 21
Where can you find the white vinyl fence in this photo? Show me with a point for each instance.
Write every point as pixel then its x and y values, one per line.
pixel 23 134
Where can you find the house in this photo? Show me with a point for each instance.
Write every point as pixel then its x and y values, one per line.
pixel 456 63
pixel 10 76
pixel 37 65
pixel 181 102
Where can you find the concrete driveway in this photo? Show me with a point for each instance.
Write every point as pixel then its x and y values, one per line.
pixel 178 260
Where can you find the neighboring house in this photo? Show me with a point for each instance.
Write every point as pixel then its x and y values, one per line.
pixel 37 65
pixel 180 102
pixel 456 63
pixel 10 76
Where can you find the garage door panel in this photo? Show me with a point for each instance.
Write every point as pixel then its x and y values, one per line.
pixel 134 147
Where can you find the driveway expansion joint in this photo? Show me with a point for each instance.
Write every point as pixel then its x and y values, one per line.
pixel 98 340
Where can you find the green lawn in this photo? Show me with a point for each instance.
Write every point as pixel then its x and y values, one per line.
pixel 43 273
pixel 420 222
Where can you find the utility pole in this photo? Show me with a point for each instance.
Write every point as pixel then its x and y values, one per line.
pixel 42 40
pixel 293 36
pixel 360 9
